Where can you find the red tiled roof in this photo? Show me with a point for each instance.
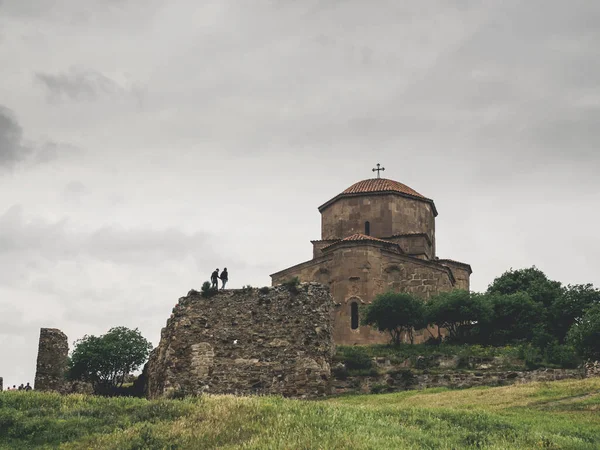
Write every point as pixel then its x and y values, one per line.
pixel 362 237
pixel 380 185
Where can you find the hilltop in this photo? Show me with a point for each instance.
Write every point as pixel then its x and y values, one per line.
pixel 561 414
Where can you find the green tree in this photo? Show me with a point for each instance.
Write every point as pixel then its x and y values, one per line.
pixel 395 313
pixel 584 336
pixel 456 311
pixel 569 308
pixel 532 281
pixel 106 360
pixel 514 318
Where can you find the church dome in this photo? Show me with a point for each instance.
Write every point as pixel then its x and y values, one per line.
pixel 381 185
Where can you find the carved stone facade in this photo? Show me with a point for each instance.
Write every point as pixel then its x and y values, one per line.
pixel 52 360
pixel 376 236
pixel 250 341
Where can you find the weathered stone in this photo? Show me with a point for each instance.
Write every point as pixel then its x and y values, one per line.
pixel 279 343
pixel 52 360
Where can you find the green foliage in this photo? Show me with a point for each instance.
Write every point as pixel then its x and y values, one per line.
pixel 106 360
pixel 264 290
pixel 514 318
pixel 247 288
pixel 562 414
pixel 569 308
pixel 356 358
pixel 292 284
pixel 584 336
pixel 457 311
pixel 396 313
pixel 532 281
pixel 208 291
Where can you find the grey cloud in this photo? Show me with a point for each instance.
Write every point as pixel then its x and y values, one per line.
pixel 57 241
pixel 12 148
pixel 15 150
pixel 85 85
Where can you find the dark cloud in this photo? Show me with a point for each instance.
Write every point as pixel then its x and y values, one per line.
pixel 12 148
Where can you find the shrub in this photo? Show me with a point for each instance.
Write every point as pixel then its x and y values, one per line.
pixel 396 313
pixel 106 360
pixel 264 290
pixel 247 288
pixel 356 358
pixel 380 388
pixel 292 285
pixel 456 311
pixel 207 290
pixel 563 356
pixel 584 336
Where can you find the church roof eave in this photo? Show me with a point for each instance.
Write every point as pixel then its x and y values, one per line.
pixel 325 205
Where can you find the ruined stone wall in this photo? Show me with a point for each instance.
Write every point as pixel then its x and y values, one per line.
pixel 249 341
pixel 388 215
pixel 52 360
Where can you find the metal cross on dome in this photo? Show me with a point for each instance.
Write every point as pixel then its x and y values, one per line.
pixel 378 169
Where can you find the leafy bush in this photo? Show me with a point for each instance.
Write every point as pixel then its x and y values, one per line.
pixel 456 311
pixel 356 358
pixel 584 336
pixel 292 285
pixel 563 356
pixel 105 360
pixel 264 290
pixel 396 313
pixel 208 291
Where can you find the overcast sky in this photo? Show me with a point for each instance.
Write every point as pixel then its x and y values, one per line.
pixel 144 143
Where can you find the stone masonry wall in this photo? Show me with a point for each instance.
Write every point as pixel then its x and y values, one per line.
pixel 52 360
pixel 249 341
pixel 357 274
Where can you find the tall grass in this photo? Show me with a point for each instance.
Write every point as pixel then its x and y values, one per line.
pixel 564 414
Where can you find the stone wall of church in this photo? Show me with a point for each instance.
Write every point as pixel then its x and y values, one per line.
pixel 249 341
pixel 357 273
pixel 417 245
pixel 461 274
pixel 387 215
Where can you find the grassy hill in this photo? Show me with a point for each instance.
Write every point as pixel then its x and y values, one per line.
pixel 556 415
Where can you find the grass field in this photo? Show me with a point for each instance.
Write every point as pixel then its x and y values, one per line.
pixel 556 415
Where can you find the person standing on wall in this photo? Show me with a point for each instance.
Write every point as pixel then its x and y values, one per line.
pixel 224 277
pixel 214 278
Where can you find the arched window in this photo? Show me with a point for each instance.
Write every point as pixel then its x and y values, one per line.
pixel 367 228
pixel 354 315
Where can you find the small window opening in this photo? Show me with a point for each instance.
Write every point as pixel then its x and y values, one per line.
pixel 367 228
pixel 354 315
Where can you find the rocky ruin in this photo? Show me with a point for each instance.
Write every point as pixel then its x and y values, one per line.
pixel 275 340
pixel 52 360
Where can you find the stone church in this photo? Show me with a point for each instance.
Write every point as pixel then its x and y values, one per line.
pixel 378 235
